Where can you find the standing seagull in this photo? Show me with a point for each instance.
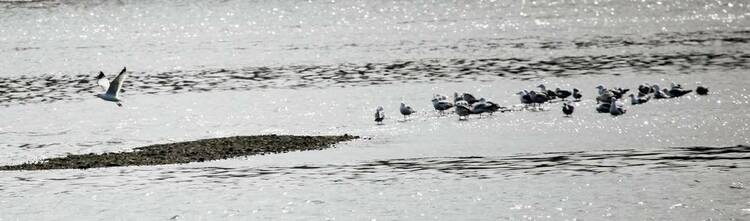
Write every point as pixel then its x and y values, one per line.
pixel 113 88
pixel 406 110
pixel 577 94
pixel 567 109
pixel 463 110
pixel 538 98
pixel 379 115
pixel 525 98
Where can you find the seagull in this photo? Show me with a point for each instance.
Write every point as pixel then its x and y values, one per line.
pixel 658 94
pixel 639 99
pixel 484 106
pixel 113 88
pixel 567 109
pixel 604 94
pixel 551 95
pixel 538 98
pixel 379 115
pixel 406 110
pixel 614 110
pixel 562 94
pixel 469 98
pixel 525 98
pixel 463 110
pixel 677 91
pixel 618 92
pixel 645 88
pixel 603 107
pixel 701 90
pixel 441 104
pixel 577 94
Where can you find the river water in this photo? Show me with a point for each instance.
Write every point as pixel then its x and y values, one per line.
pixel 202 69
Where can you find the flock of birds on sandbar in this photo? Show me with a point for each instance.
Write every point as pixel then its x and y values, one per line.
pixel 607 100
pixel 466 104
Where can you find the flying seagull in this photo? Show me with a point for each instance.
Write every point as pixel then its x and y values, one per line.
pixel 113 87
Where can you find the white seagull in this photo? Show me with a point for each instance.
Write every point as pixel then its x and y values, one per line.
pixel 406 110
pixel 113 88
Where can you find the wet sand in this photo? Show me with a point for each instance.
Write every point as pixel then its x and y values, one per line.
pixel 191 151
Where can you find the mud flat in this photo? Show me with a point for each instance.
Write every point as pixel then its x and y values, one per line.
pixel 190 151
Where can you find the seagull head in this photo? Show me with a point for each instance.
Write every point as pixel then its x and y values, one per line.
pixel 600 87
pixel 379 109
pixel 541 86
pixel 575 90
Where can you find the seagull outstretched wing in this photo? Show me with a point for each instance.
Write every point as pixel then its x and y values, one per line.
pixel 102 81
pixel 114 86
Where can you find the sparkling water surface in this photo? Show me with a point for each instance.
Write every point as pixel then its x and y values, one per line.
pixel 203 69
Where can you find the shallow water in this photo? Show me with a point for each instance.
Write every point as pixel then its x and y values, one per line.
pixel 222 68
